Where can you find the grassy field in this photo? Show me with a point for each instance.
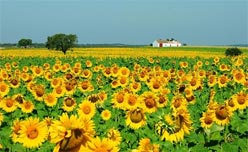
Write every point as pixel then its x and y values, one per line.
pixel 206 52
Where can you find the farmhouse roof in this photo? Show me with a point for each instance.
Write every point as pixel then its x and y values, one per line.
pixel 166 41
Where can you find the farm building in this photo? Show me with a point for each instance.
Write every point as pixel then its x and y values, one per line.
pixel 166 43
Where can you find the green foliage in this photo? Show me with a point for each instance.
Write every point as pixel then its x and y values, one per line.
pixel 61 42
pixel 24 43
pixel 233 52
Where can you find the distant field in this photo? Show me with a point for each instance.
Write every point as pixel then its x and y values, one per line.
pixel 205 52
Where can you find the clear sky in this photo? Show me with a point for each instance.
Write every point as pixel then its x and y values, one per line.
pixel 195 22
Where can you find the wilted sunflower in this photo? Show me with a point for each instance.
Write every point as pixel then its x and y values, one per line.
pixel 207 120
pixel 99 145
pixel 135 118
pixel 69 104
pixel 4 89
pixel 86 109
pixel 222 115
pixel 16 127
pixel 180 125
pixel 145 145
pixel 148 101
pixel 8 104
pixel 114 135
pixel 69 133
pixel 33 133
pixel 106 114
pixel 240 100
pixel 27 106
pixel 50 99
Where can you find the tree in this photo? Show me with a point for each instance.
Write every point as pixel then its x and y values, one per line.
pixel 233 52
pixel 25 43
pixel 61 42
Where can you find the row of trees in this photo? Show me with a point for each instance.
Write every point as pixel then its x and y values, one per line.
pixel 60 42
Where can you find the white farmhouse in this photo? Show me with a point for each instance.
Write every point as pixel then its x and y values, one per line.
pixel 166 43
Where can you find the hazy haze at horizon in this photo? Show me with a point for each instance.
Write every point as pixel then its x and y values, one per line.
pixel 195 22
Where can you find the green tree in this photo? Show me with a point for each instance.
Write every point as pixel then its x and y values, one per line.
pixel 24 43
pixel 233 52
pixel 61 42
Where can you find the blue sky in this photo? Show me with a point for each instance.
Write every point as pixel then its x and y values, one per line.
pixel 195 22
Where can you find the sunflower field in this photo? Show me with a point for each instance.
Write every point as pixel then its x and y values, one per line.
pixel 111 104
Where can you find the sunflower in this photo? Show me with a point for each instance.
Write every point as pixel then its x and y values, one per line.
pixel 69 104
pixel 56 67
pixel 207 120
pixel 99 145
pixel 107 71
pixel 8 105
pixel 59 91
pixel 4 89
pixel 64 68
pixel 16 127
pixel 76 71
pixel 239 62
pixel 33 133
pixel 48 75
pixel 4 74
pixel 135 86
pixel 69 87
pixel 56 82
pixel 162 100
pixel 155 85
pixel 1 118
pixel 135 118
pixel 46 66
pixel 123 81
pixel 24 76
pixel 145 145
pixel 106 114
pixel 114 71
pixel 25 68
pixel 87 109
pixel 124 71
pixel 143 76
pixel 183 64
pixel 85 86
pixel 88 63
pixel 69 133
pixel 114 135
pixel 102 96
pixel 216 60
pixel 239 76
pixel 131 101
pixel 86 73
pixel 118 99
pixel 178 126
pixel 212 80
pixel 240 100
pixel 178 102
pixel 195 83
pixel 50 99
pixel 149 101
pixel 115 84
pixel 14 83
pixel 223 67
pixel 37 71
pixel 222 115
pixel 222 81
pixel 27 106
pixel 39 92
